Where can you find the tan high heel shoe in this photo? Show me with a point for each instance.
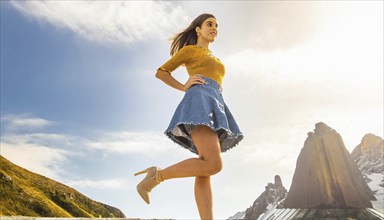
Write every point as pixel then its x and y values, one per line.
pixel 152 179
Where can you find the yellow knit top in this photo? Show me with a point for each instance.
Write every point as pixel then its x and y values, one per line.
pixel 197 60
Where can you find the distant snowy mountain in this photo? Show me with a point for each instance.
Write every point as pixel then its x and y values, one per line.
pixel 273 196
pixel 369 157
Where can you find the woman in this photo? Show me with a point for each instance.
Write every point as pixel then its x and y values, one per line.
pixel 202 123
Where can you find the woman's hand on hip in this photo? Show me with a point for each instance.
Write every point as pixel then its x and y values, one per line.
pixel 193 80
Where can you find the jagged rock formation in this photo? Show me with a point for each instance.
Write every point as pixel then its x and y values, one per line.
pixel 238 215
pixel 24 193
pixel 326 175
pixel 369 157
pixel 273 195
pixel 369 154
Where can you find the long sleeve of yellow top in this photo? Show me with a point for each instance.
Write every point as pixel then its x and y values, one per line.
pixel 197 60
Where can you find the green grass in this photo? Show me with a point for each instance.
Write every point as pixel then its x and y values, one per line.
pixel 23 193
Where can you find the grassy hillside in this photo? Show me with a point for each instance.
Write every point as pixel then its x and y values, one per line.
pixel 24 193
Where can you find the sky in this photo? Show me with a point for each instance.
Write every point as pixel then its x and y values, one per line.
pixel 80 102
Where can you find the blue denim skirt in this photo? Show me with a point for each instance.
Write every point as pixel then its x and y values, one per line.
pixel 204 105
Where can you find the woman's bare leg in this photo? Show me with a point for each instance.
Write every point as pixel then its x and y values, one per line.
pixel 203 197
pixel 207 143
pixel 208 163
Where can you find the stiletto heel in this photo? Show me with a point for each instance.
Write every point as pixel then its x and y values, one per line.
pixel 151 180
pixel 141 172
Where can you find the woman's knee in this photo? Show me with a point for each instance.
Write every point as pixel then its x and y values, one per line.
pixel 214 166
pixel 217 167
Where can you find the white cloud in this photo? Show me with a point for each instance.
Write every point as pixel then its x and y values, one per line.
pixel 283 24
pixel 24 122
pixel 97 184
pixel 107 21
pixel 131 142
pixel 42 153
pixel 348 46
pixel 335 75
pixel 33 156
pixel 48 153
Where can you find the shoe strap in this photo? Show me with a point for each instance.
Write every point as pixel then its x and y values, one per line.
pixel 158 177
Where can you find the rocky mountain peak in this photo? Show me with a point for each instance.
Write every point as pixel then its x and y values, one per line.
pixel 326 175
pixel 371 138
pixel 368 156
pixel 371 146
pixel 327 183
pixel 320 129
pixel 278 182
pixel 273 195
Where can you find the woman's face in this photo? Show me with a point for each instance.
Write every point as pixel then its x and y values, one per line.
pixel 208 30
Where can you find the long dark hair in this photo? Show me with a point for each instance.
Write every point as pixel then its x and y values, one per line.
pixel 188 36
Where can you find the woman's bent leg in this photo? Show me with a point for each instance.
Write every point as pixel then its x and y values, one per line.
pixel 208 163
